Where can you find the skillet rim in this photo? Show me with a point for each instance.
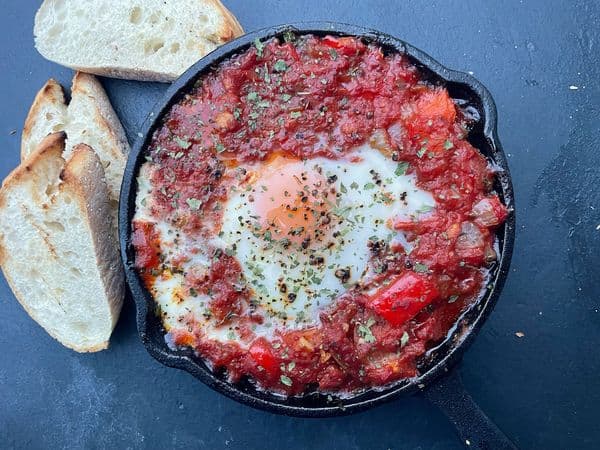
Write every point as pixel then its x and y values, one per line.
pixel 446 355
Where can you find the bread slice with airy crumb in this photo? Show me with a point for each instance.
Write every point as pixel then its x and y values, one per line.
pixel 88 119
pixel 150 40
pixel 58 251
pixel 48 114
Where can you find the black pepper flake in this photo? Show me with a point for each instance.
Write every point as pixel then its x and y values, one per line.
pixel 315 260
pixel 376 247
pixel 343 274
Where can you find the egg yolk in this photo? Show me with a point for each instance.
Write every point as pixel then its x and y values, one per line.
pixel 291 200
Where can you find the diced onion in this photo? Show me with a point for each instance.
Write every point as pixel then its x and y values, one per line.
pixel 470 237
pixel 484 213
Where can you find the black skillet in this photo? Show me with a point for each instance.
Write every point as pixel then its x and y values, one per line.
pixel 439 385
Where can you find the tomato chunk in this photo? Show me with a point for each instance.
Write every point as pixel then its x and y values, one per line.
pixel 489 212
pixel 146 243
pixel 436 105
pixel 345 45
pixel 262 354
pixel 404 298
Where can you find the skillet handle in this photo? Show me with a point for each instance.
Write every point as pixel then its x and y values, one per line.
pixel 474 428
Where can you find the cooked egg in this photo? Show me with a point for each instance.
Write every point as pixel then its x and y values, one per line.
pixel 300 229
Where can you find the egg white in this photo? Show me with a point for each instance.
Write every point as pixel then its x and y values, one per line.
pixel 363 208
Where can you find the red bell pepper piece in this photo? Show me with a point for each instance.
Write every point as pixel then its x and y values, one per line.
pixel 401 300
pixel 262 354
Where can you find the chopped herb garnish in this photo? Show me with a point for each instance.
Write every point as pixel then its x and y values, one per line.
pixel 401 169
pixel 289 36
pixel 404 339
pixel 354 185
pixel 220 148
pixel 333 54
pixel 194 203
pixel 343 189
pixel 421 268
pixel 424 209
pixel 368 186
pixel 286 97
pixel 448 144
pixel 259 47
pixel 452 298
pixel 237 112
pixel 182 142
pixel 364 331
pixel 280 66
pixel 421 152
pixel 285 380
pixel 295 114
pixel 252 96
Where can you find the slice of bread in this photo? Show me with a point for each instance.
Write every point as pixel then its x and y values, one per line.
pixel 149 40
pixel 88 119
pixel 57 249
pixel 48 114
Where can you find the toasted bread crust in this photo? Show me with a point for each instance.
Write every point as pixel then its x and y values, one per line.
pixel 83 175
pixel 231 27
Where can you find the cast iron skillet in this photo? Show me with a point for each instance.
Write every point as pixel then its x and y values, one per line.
pixel 447 392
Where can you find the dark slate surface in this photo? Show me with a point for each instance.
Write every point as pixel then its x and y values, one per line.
pixel 540 60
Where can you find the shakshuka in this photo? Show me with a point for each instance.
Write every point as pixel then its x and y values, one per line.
pixel 311 215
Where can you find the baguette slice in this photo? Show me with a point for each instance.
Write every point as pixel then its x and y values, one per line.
pixel 88 119
pixel 47 115
pixel 147 40
pixel 57 249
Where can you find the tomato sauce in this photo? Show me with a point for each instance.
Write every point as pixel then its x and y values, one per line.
pixel 307 97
